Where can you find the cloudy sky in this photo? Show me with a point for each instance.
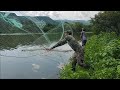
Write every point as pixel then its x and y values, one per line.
pixel 71 15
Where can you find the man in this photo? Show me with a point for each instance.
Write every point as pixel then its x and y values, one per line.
pixel 83 37
pixel 78 55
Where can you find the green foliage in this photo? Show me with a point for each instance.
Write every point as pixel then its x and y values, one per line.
pixel 107 21
pixel 49 27
pixel 76 26
pixel 67 73
pixel 102 53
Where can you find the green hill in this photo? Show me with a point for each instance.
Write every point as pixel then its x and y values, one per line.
pixel 85 22
pixel 11 23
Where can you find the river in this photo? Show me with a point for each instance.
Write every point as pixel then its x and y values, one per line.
pixel 21 59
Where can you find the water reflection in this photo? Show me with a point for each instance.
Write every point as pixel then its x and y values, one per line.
pixel 12 41
pixel 35 67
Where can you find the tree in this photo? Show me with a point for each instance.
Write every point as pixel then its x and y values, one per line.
pixel 49 27
pixel 76 26
pixel 106 21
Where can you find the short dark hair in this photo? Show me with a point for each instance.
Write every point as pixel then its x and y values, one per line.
pixel 69 32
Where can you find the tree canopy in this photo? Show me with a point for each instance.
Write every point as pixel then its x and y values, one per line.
pixel 106 21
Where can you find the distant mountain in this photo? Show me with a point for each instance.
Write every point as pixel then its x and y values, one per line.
pixel 11 23
pixel 23 18
pixel 10 15
pixel 85 22
pixel 46 19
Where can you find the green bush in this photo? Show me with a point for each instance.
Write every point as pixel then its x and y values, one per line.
pixel 102 53
pixel 67 73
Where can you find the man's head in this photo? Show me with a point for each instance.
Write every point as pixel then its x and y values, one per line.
pixel 83 29
pixel 68 32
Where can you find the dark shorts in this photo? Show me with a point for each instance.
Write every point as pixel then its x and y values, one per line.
pixel 84 42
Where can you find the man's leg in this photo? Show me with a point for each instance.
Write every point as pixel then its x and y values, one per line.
pixel 80 59
pixel 84 42
pixel 74 62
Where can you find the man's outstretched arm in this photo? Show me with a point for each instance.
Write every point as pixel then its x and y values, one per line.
pixel 60 43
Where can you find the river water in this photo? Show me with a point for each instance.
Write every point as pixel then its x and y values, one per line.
pixel 19 59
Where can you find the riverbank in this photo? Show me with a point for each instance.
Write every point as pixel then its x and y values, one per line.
pixel 102 54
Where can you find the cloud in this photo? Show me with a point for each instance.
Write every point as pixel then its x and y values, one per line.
pixel 85 15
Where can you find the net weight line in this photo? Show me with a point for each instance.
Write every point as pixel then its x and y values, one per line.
pixel 46 50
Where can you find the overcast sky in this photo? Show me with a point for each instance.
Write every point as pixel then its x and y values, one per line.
pixel 71 15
